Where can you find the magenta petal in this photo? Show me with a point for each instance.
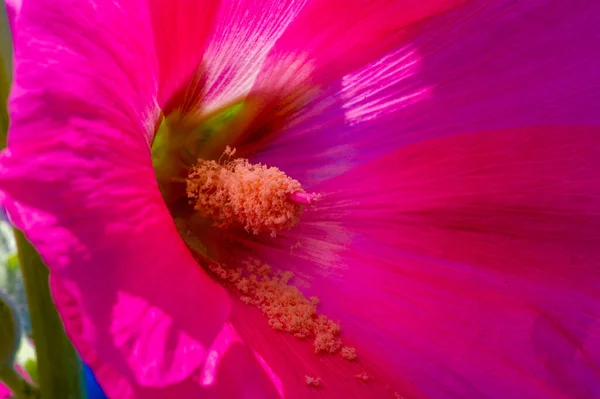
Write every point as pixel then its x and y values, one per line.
pixel 288 361
pixel 462 267
pixel 340 36
pixel 124 261
pixel 248 28
pixel 230 369
pixel 56 59
pixel 113 384
pixel 497 65
pixel 486 65
pixel 326 41
pixel 468 264
pixel 180 31
pixel 78 180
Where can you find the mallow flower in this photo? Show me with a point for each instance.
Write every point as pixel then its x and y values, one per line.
pixel 296 199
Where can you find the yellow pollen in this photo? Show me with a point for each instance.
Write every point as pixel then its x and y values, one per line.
pixel 348 353
pixel 312 381
pixel 286 308
pixel 237 192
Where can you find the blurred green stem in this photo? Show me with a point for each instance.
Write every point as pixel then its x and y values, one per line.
pixel 60 371
pixel 20 388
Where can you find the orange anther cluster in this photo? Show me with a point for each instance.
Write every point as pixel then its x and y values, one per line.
pixel 237 192
pixel 284 305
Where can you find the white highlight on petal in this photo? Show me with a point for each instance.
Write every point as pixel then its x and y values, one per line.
pixel 210 369
pixel 272 376
pixel 364 91
pixel 244 37
pixel 226 337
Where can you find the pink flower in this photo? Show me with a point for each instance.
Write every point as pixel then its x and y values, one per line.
pixel 456 148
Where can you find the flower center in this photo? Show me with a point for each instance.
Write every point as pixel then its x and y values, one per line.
pixel 206 186
pixel 237 192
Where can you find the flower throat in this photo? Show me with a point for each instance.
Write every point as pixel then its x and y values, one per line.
pixel 231 193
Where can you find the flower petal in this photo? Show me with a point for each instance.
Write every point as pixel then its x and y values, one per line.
pixel 289 361
pixel 78 180
pixel 229 371
pixel 113 384
pixel 486 65
pixel 507 64
pixel 325 40
pixel 299 80
pixel 120 51
pixel 181 30
pixel 467 264
pixel 340 36
pixel 243 27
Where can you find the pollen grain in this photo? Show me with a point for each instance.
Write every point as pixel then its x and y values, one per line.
pixel 348 353
pixel 286 308
pixel 312 381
